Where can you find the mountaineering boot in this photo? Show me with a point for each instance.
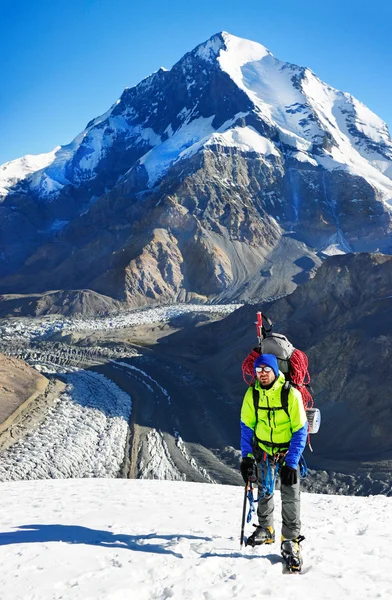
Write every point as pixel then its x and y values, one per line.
pixel 261 535
pixel 291 552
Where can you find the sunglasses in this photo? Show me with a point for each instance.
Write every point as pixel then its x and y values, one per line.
pixel 265 369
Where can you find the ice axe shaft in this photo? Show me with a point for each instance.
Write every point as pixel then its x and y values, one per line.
pixel 259 327
pixel 248 487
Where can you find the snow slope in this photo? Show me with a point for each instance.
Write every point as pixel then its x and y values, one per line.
pixel 116 539
pixel 304 108
pixel 15 170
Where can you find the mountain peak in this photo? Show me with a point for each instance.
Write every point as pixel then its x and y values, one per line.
pixel 210 49
pixel 239 49
pixel 251 50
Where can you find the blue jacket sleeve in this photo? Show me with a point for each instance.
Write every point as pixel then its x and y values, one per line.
pixel 246 440
pixel 297 446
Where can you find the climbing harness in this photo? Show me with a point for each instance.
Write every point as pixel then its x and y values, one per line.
pixel 268 479
pixel 268 476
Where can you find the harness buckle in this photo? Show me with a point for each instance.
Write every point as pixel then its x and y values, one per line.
pixel 279 457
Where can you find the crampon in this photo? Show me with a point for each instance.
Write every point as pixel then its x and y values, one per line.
pixel 291 553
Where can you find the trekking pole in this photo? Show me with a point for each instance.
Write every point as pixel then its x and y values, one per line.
pixel 244 511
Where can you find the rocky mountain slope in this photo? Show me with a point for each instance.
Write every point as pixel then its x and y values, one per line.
pixel 18 382
pixel 225 178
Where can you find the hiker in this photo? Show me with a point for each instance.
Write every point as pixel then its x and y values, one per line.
pixel 274 437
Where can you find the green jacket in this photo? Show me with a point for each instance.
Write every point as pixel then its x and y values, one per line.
pixel 273 425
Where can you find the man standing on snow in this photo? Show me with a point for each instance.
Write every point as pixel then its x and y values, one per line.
pixel 272 435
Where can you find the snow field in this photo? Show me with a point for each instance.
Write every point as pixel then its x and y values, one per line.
pixel 108 539
pixel 83 435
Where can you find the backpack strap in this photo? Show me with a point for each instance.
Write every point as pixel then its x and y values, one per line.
pixel 256 395
pixel 284 397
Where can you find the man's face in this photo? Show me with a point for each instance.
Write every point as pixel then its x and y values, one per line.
pixel 265 377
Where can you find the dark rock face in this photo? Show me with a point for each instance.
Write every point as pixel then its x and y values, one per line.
pixel 343 320
pixel 186 189
pixel 326 210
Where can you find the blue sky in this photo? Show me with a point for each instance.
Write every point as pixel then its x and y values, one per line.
pixel 65 62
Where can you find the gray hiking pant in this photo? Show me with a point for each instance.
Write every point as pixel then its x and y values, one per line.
pixel 291 508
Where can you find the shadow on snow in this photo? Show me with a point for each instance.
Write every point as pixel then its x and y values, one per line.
pixel 272 558
pixel 74 534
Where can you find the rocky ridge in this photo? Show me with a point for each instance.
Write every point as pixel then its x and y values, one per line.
pixel 67 303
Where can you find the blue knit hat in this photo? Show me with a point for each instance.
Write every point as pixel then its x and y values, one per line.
pixel 269 360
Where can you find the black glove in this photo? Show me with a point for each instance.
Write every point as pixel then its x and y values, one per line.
pixel 248 469
pixel 288 475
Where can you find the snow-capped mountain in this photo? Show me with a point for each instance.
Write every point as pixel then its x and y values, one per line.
pixel 301 109
pixel 189 184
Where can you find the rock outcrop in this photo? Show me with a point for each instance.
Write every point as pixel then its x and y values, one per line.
pixel 19 383
pixel 84 303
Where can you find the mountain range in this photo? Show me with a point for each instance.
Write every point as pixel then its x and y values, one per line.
pixel 229 177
